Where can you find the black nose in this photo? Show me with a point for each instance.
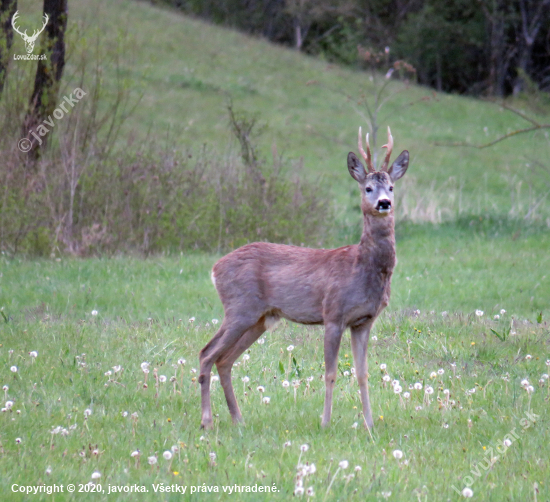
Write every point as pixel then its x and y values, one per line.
pixel 384 204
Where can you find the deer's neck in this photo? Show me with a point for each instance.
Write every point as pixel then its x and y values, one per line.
pixel 377 245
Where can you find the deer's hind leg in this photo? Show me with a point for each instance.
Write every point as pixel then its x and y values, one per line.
pixel 225 365
pixel 230 332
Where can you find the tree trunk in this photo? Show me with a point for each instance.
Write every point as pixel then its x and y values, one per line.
pixel 7 10
pixel 49 71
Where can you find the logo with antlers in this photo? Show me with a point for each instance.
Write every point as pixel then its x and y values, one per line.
pixel 29 40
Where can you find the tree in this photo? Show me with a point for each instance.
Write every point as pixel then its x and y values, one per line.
pixel 7 10
pixel 50 70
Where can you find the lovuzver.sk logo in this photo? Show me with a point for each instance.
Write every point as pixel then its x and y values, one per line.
pixel 29 40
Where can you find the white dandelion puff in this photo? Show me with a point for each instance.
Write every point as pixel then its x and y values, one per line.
pixel 467 493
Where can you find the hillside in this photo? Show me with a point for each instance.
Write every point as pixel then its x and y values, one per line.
pixel 185 70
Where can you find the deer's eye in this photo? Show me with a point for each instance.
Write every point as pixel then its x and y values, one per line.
pixel 368 189
pixel 391 189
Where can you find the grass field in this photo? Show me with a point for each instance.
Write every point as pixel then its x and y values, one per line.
pixel 144 309
pixel 85 318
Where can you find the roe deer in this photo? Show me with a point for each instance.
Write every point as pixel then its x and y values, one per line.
pixel 346 287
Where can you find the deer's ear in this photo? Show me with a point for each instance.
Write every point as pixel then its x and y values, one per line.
pixel 399 166
pixel 356 169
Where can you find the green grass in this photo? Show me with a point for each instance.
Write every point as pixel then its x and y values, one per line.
pixel 144 309
pixel 485 258
pixel 184 70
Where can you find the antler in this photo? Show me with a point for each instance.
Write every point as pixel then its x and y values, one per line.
pixel 37 32
pixel 366 156
pixel 15 16
pixel 34 36
pixel 389 146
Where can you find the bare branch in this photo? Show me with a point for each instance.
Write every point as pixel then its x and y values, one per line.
pixel 536 126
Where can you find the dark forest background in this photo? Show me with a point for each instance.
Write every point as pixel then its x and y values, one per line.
pixel 477 47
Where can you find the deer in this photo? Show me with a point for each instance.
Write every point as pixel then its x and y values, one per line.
pixel 260 283
pixel 29 40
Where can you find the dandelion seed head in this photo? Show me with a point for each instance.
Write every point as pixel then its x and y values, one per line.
pixel 18 440
pixel 167 455
pixel 290 348
pixel 162 378
pixel 386 378
pixel 13 369
pixel 135 454
pixel 304 447
pixel 96 475
pixel 507 443
pixel 260 388
pixel 286 384
pixel 266 400
pixel 383 366
pixel 33 354
pixel 343 464
pixel 94 312
pixel 152 460
pixel 467 493
pixel 398 454
pixel 418 386
pixel 479 313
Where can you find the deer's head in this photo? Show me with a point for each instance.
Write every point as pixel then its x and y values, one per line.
pixel 29 40
pixel 377 186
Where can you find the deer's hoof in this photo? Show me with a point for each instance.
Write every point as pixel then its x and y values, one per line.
pixel 207 424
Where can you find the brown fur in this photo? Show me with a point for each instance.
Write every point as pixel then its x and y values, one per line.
pixel 340 288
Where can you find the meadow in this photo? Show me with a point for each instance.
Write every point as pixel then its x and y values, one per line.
pixel 77 332
pixel 99 356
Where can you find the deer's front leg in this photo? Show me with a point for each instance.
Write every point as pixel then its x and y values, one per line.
pixel 333 336
pixel 359 343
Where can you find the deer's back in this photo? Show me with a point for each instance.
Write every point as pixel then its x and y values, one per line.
pixel 297 283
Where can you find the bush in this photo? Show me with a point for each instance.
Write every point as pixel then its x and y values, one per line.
pixel 84 196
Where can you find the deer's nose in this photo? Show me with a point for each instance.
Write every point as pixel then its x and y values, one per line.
pixel 383 205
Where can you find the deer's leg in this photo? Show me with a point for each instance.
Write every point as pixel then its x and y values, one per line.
pixel 225 365
pixel 229 333
pixel 333 336
pixel 359 343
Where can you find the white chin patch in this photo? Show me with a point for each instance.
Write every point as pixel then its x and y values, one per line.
pixel 383 211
